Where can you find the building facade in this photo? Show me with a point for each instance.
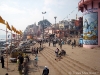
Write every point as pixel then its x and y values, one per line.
pixel 91 22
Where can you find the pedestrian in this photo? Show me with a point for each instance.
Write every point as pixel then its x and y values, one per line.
pixel 21 59
pixel 20 68
pixel 28 58
pixel 61 45
pixel 37 50
pixel 17 62
pixel 40 43
pixel 35 61
pixel 25 65
pixel 45 71
pixel 2 61
pixel 56 52
pixel 72 44
pixel 49 43
pixel 53 43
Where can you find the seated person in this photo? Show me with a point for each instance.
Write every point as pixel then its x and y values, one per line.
pixel 62 52
pixel 80 45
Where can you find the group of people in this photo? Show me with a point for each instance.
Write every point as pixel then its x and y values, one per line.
pixel 35 63
pixel 60 53
pixel 22 63
pixel 54 42
pixel 35 50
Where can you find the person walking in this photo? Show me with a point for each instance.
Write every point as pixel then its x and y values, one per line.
pixel 21 59
pixel 72 44
pixel 61 45
pixel 2 61
pixel 25 65
pixel 37 50
pixel 20 68
pixel 49 43
pixel 45 71
pixel 35 61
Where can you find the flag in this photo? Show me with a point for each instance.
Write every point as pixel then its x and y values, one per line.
pixel 20 32
pixel 17 31
pixel 7 26
pixel 1 20
pixel 13 28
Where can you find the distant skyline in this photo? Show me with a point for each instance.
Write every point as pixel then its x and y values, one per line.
pixel 21 13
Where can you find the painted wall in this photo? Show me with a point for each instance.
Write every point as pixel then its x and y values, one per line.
pixel 92 33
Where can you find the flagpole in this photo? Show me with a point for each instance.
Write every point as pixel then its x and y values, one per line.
pixel 6 48
pixel 11 41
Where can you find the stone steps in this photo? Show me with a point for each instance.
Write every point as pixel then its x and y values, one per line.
pixel 73 64
pixel 64 64
pixel 60 69
pixel 81 66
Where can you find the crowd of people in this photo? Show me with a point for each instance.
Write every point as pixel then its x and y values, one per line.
pixel 23 61
pixel 35 52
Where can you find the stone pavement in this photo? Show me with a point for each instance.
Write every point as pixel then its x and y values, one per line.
pixel 32 70
pixel 77 59
pixel 89 57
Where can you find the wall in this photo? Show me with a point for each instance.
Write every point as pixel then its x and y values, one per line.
pixel 94 10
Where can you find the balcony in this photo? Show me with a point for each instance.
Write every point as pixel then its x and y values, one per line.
pixel 80 4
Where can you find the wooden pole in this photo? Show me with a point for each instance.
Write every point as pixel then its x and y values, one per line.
pixel 6 48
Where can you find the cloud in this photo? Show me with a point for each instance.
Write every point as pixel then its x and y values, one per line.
pixel 47 2
pixel 10 10
pixel 51 14
pixel 55 2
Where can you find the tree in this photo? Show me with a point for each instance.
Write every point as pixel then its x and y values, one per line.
pixel 44 23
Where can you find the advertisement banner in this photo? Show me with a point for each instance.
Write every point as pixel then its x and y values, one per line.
pixel 90 29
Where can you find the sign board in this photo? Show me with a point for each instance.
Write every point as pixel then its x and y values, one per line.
pixel 61 25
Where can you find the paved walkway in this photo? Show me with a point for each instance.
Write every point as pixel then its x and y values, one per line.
pixel 89 57
pixel 32 70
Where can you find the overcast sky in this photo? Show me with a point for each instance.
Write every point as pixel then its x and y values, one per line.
pixel 21 13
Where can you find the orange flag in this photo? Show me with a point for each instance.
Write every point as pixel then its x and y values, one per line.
pixel 20 32
pixel 1 20
pixel 12 28
pixel 7 26
pixel 15 30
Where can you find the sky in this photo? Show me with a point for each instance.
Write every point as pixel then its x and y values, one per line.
pixel 21 13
